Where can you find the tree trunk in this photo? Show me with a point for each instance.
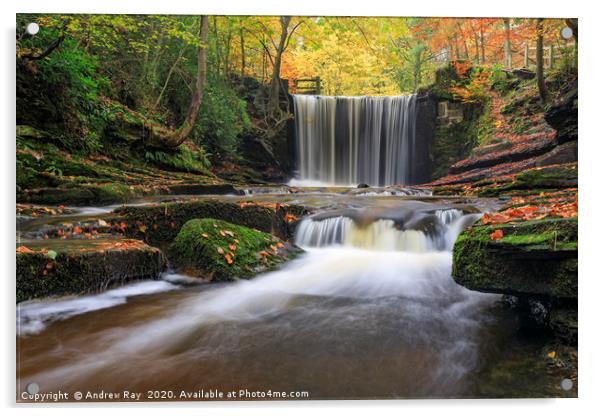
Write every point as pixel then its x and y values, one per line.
pixel 482 46
pixel 218 57
pixel 242 55
pixel 458 57
pixel 227 50
pixel 417 69
pixel 476 48
pixel 274 105
pixel 541 84
pixel 171 139
pixel 507 46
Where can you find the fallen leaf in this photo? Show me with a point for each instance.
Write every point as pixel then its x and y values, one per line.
pixel 232 247
pixel 552 354
pixel 220 250
pixel 23 249
pixel 496 235
pixel 205 235
pixel 228 258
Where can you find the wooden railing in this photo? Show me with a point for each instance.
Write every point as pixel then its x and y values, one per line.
pixel 308 86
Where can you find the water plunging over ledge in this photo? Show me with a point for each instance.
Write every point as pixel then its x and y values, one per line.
pixel 351 140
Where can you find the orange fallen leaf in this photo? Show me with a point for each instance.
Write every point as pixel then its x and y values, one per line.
pixel 205 235
pixel 290 217
pixel 228 258
pixel 496 235
pixel 232 247
pixel 23 249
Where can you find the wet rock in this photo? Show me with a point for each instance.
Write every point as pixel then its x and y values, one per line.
pixel 533 258
pixel 563 321
pixel 536 261
pixel 159 224
pixel 204 189
pixel 219 251
pixel 363 185
pixel 84 267
pixel 101 194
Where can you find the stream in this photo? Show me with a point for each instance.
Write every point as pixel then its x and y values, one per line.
pixel 370 310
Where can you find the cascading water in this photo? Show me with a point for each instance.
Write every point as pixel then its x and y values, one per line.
pixel 386 234
pixel 351 140
pixel 371 299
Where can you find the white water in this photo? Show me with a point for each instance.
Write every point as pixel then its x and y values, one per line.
pixel 350 140
pixel 383 234
pixel 33 316
pixel 358 302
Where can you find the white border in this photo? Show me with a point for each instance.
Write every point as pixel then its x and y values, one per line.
pixel 590 346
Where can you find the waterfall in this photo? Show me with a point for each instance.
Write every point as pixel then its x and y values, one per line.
pixel 352 140
pixel 437 233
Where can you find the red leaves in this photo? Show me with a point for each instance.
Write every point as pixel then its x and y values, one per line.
pixel 562 204
pixel 496 235
pixel 23 249
pixel 290 217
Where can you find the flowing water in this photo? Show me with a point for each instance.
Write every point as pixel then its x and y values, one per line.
pixel 351 140
pixel 368 311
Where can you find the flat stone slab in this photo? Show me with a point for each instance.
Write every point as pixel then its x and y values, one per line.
pixel 57 267
pixel 536 259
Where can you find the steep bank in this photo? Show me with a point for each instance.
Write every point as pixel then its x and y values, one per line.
pixel 526 155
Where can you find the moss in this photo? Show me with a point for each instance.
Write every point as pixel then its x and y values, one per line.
pixel 533 258
pixel 160 224
pixel 537 180
pixel 77 269
pixel 219 250
pixel 85 194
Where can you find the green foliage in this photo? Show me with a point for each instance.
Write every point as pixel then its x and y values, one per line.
pixel 484 126
pixel 222 119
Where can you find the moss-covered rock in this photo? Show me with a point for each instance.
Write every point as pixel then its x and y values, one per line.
pixel 85 194
pixel 159 224
pixel 218 250
pixel 533 258
pixel 544 178
pixel 82 267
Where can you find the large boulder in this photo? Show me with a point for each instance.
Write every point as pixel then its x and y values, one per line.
pixel 534 261
pixel 563 114
pixel 220 251
pixel 533 258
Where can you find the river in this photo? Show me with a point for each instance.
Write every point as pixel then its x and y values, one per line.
pixel 370 310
